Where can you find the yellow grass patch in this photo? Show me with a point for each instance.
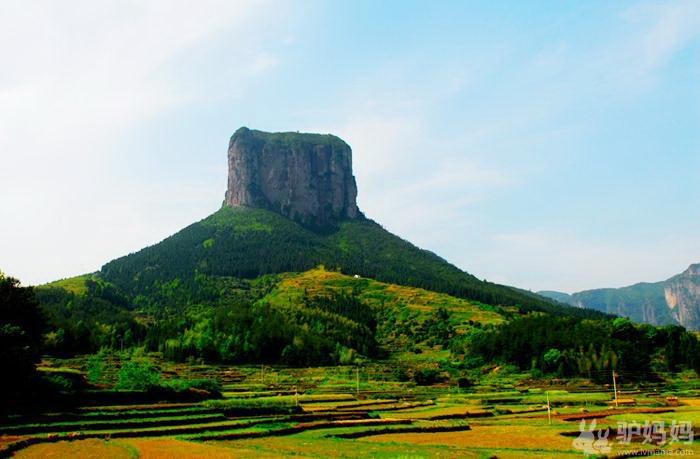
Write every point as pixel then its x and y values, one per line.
pixel 418 413
pixel 497 437
pixel 317 447
pixel 75 285
pixel 170 448
pixel 90 449
pixel 319 281
pixel 7 440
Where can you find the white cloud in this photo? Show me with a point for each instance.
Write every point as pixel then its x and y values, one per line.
pixel 667 28
pixel 75 80
pixel 651 35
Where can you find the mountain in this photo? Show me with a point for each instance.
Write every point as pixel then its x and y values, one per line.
pixel 290 271
pixel 561 297
pixel 673 301
pixel 245 242
pixel 290 206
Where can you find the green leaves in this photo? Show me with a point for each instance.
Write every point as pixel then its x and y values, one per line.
pixel 137 374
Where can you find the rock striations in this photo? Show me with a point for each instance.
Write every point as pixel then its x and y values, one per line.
pixel 305 177
pixel 682 293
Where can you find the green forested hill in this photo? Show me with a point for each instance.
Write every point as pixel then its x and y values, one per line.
pixel 247 243
pixel 242 286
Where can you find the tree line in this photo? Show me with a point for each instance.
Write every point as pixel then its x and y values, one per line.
pixel 569 346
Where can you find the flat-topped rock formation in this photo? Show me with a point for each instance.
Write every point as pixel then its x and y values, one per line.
pixel 305 177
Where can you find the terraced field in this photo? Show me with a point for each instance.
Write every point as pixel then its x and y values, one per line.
pixel 319 412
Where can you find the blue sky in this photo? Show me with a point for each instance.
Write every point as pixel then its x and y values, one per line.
pixel 547 145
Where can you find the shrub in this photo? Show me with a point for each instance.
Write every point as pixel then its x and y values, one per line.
pixel 210 385
pixel 427 376
pixel 464 382
pixel 138 375
pixel 551 360
pixel 96 368
pixel 400 374
pixel 280 403
pixel 59 383
pixel 181 385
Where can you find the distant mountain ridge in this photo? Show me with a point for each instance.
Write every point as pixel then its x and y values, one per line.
pixel 673 301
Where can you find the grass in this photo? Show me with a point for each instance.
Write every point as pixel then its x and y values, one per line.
pixel 260 429
pixel 175 430
pixel 142 407
pixel 109 416
pixel 283 403
pixel 110 424
pixel 378 294
pixel 534 438
pixel 146 413
pixel 425 413
pixel 75 285
pixel 59 370
pixel 92 448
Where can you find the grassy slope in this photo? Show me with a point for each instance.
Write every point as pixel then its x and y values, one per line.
pixel 320 281
pixel 75 285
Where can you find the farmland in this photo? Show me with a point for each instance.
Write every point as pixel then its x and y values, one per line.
pixel 342 411
pixel 325 364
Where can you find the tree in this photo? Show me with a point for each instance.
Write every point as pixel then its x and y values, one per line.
pixel 21 328
pixel 551 360
pixel 138 374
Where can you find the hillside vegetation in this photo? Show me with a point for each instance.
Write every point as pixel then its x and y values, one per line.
pixel 314 317
pixel 247 243
pixel 251 286
pixel 324 317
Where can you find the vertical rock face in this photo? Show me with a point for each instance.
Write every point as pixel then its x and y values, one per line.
pixel 306 177
pixel 683 297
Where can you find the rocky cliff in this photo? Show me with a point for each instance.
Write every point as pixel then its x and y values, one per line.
pixel 674 301
pixel 682 294
pixel 305 177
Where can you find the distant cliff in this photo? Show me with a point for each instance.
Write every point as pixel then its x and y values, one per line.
pixel 305 177
pixel 682 294
pixel 674 301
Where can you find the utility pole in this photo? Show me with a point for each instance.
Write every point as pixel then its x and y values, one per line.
pixel 549 409
pixel 357 381
pixel 615 388
pixel 296 396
